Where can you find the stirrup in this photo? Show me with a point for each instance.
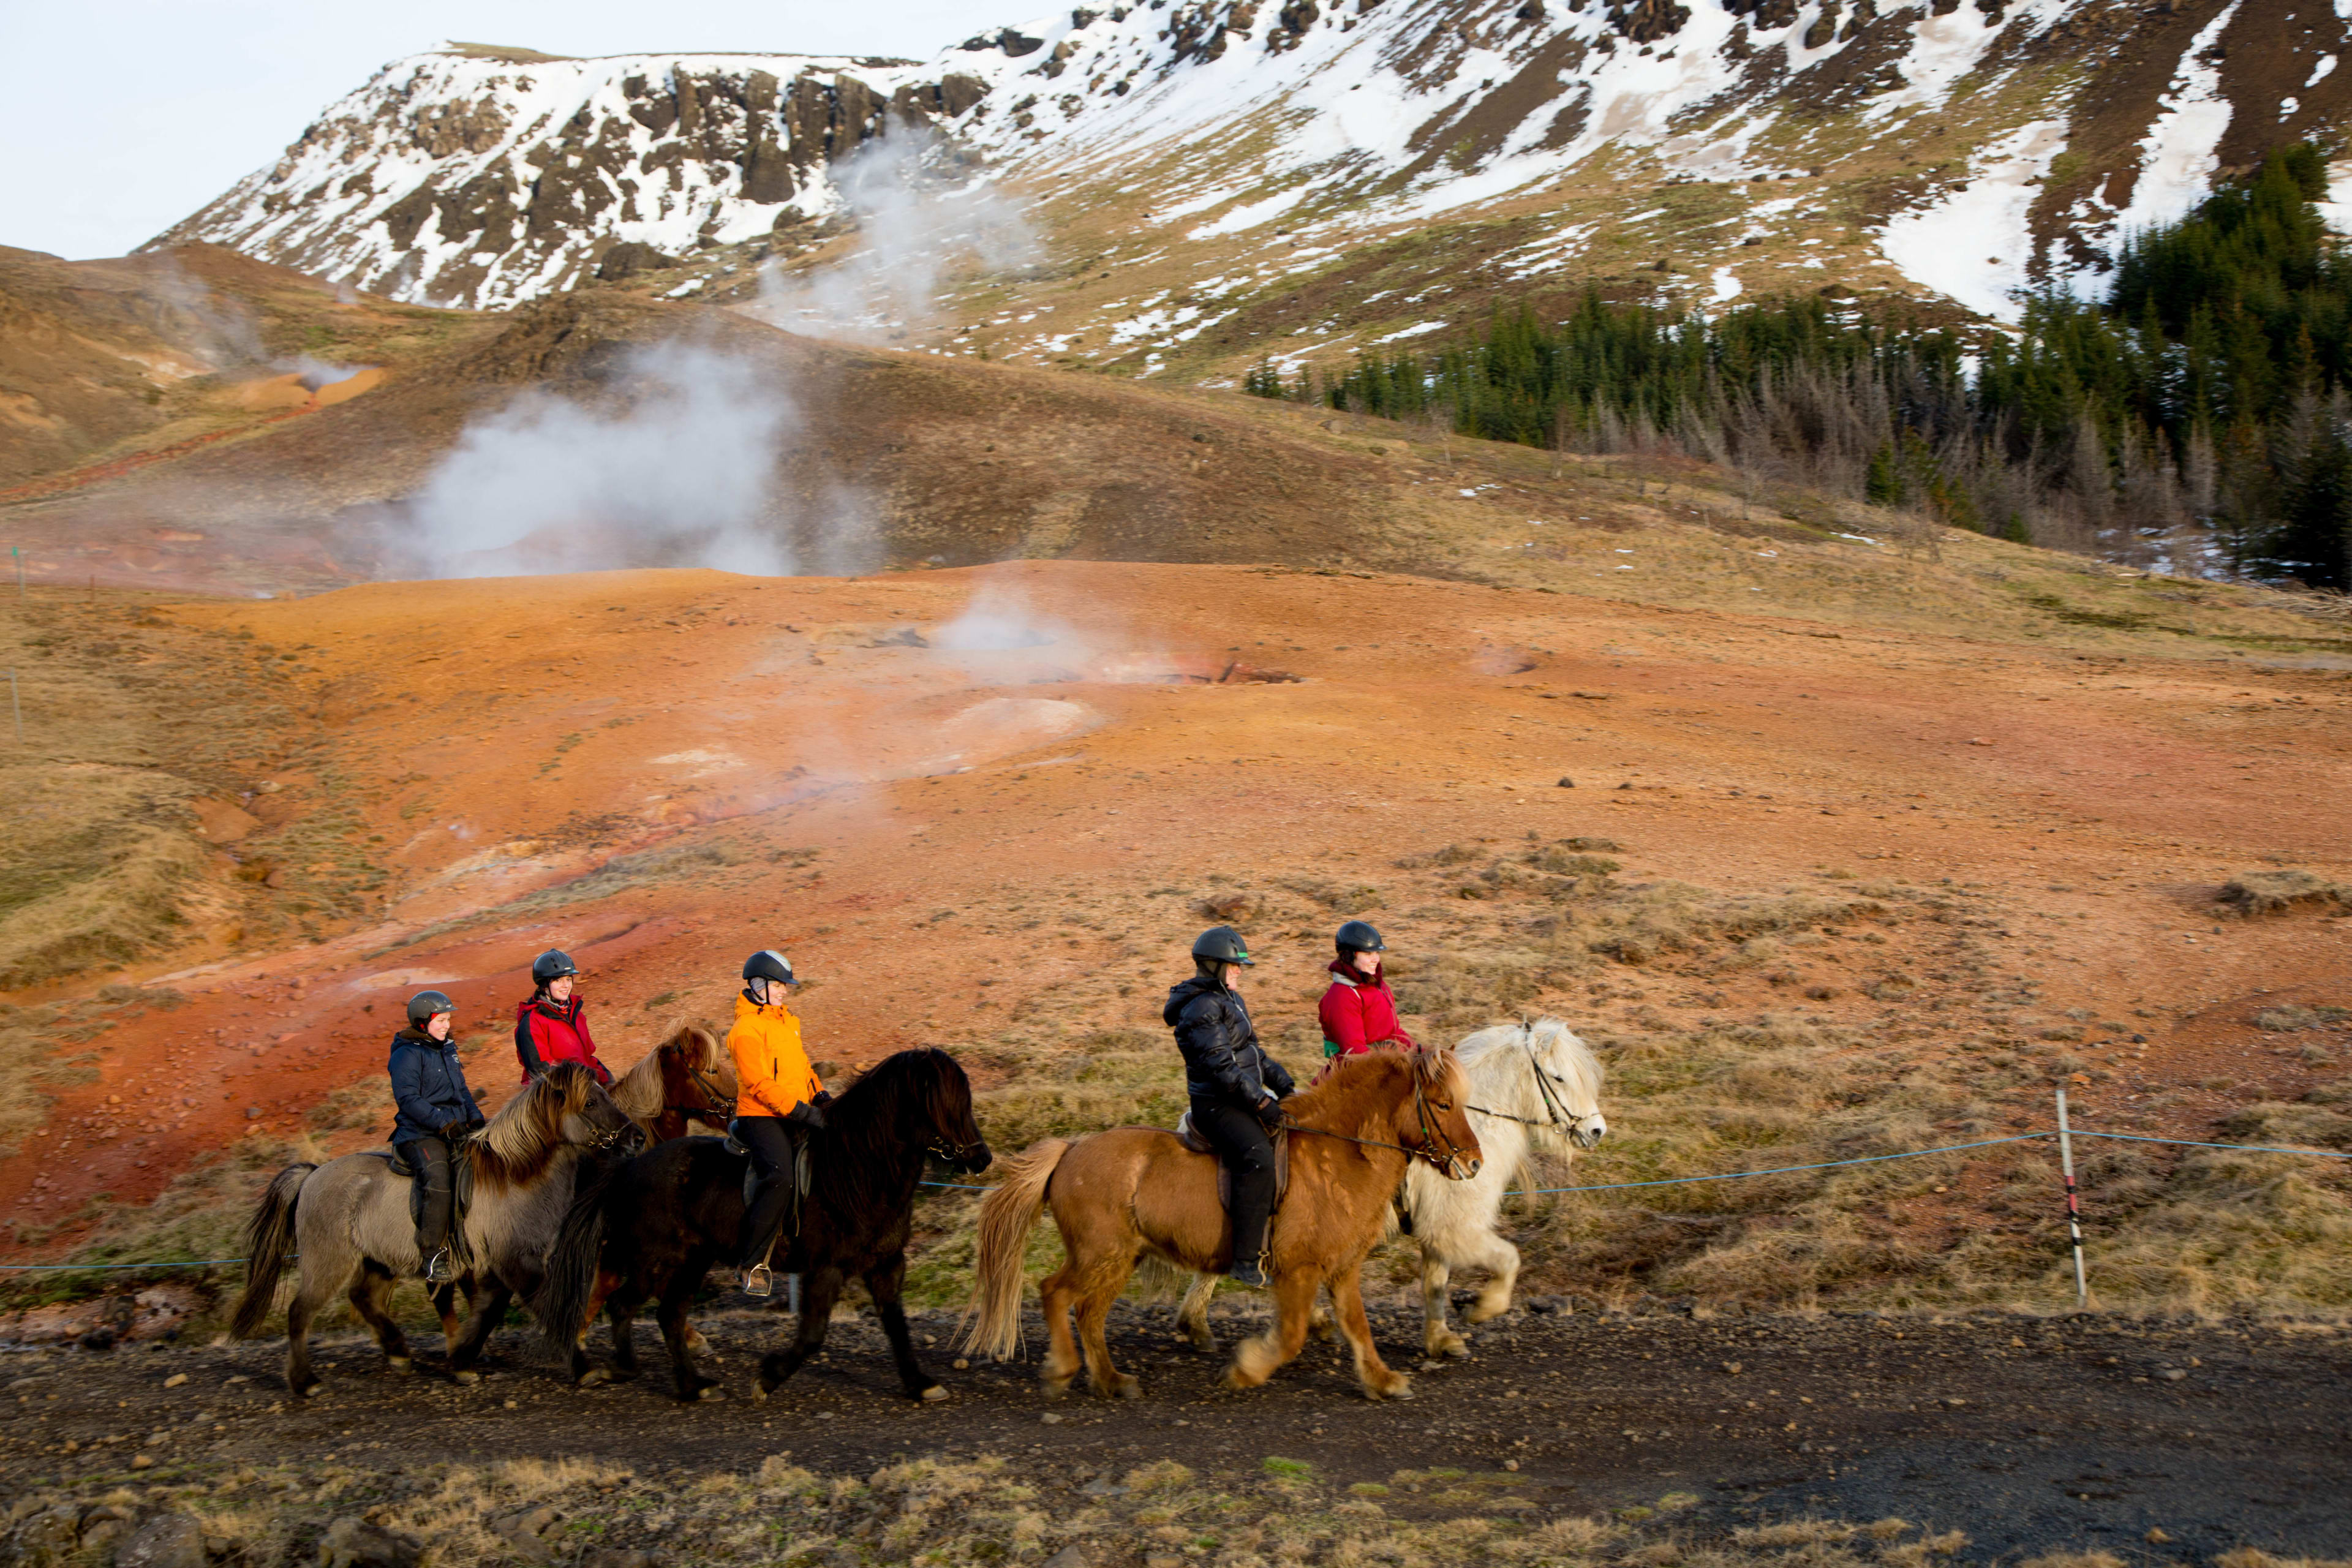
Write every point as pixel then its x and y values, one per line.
pixel 441 1268
pixel 757 1282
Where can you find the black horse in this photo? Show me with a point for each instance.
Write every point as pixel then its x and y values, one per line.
pixel 654 1227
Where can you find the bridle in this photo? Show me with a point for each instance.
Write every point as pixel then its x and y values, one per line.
pixel 720 1108
pixel 1449 1165
pixel 940 1146
pixel 1556 1112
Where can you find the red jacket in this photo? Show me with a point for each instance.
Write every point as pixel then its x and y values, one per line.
pixel 1358 1012
pixel 549 1032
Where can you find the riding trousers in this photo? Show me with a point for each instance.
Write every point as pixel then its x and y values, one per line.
pixel 774 1147
pixel 429 1158
pixel 1241 1142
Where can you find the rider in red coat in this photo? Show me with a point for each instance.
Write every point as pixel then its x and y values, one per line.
pixel 552 1027
pixel 1358 1011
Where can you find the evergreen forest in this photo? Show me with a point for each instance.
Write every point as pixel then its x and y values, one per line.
pixel 2197 417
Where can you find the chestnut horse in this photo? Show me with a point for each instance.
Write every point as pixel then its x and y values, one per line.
pixel 688 1078
pixel 1132 1191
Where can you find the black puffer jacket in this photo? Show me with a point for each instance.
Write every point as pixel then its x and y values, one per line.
pixel 1224 1062
pixel 429 1086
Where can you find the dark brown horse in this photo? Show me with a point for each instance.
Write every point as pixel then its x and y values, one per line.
pixel 657 1224
pixel 688 1078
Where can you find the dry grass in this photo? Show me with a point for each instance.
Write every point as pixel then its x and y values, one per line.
pixel 943 1513
pixel 2252 893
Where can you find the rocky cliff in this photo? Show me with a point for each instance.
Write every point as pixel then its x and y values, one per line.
pixel 479 176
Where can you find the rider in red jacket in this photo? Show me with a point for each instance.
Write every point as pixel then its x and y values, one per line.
pixel 552 1027
pixel 1358 1011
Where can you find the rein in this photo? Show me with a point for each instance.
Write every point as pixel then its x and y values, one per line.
pixel 1557 1114
pixel 1430 1134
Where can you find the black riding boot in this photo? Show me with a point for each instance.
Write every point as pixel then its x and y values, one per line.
pixel 775 1151
pixel 1243 1144
pixel 429 1158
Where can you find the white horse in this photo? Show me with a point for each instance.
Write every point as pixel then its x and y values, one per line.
pixel 1532 1086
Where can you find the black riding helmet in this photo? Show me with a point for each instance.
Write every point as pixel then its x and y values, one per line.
pixel 1358 936
pixel 1222 944
pixel 767 965
pixel 552 964
pixel 425 1004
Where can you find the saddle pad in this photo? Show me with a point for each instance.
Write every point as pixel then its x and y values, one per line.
pixel 1189 1136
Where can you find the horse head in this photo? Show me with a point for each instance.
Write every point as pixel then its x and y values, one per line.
pixel 578 1111
pixel 1437 1126
pixel 698 1075
pixel 1566 1078
pixel 955 1138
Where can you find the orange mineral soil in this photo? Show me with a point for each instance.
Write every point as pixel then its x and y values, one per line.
pixel 975 803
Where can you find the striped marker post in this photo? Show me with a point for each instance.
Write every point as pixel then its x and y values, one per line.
pixel 2074 1202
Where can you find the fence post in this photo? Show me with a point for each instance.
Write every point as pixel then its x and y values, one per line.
pixel 2074 1203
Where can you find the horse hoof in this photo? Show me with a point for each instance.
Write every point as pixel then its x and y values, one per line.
pixel 398 1363
pixel 759 1392
pixel 1458 1349
pixel 1130 1388
pixel 597 1378
pixel 1403 1390
pixel 468 1377
pixel 933 1394
pixel 713 1392
pixel 312 1391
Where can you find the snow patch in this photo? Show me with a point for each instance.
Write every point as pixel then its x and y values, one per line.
pixel 1973 246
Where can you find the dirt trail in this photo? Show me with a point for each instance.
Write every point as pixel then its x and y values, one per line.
pixel 2026 1434
pixel 937 833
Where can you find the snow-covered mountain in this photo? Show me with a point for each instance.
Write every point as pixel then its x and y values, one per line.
pixel 481 176
pixel 1223 178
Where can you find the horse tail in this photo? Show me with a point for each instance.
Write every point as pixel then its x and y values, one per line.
pixel 567 1288
pixel 1006 1217
pixel 267 1235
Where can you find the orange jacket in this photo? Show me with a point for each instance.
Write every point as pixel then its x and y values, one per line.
pixel 772 1070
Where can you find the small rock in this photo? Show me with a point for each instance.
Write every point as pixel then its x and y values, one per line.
pixel 100 1338
pixel 166 1541
pixel 522 1531
pixel 140 1461
pixel 960 1364
pixel 1568 783
pixel 1051 1418
pixel 1953 1400
pixel 1508 1463
pixel 356 1543
pixel 1067 1557
pixel 1733 1367
pixel 2157 1537
pixel 2172 1374
pixel 176 1379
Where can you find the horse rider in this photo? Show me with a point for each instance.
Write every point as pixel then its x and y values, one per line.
pixel 1358 1011
pixel 553 1025
pixel 1236 1089
pixel 436 1114
pixel 777 1106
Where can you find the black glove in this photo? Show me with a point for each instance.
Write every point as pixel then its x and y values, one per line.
pixel 455 1128
pixel 822 1097
pixel 808 1116
pixel 1269 1111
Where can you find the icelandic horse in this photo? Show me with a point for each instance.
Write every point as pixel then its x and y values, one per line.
pixel 1533 1086
pixel 349 1219
pixel 1121 1195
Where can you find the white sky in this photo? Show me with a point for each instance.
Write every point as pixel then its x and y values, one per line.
pixel 117 118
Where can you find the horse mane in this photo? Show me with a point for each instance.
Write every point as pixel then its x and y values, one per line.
pixel 638 1091
pixel 866 1126
pixel 522 1136
pixel 1360 1082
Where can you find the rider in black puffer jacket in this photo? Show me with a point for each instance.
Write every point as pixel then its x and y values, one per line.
pixel 1235 1087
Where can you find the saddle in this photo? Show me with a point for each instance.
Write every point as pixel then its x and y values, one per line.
pixel 1189 1136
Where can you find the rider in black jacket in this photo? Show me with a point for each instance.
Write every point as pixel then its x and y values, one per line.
pixel 436 1113
pixel 1236 1089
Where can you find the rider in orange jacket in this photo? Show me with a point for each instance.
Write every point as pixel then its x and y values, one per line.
pixel 778 1097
